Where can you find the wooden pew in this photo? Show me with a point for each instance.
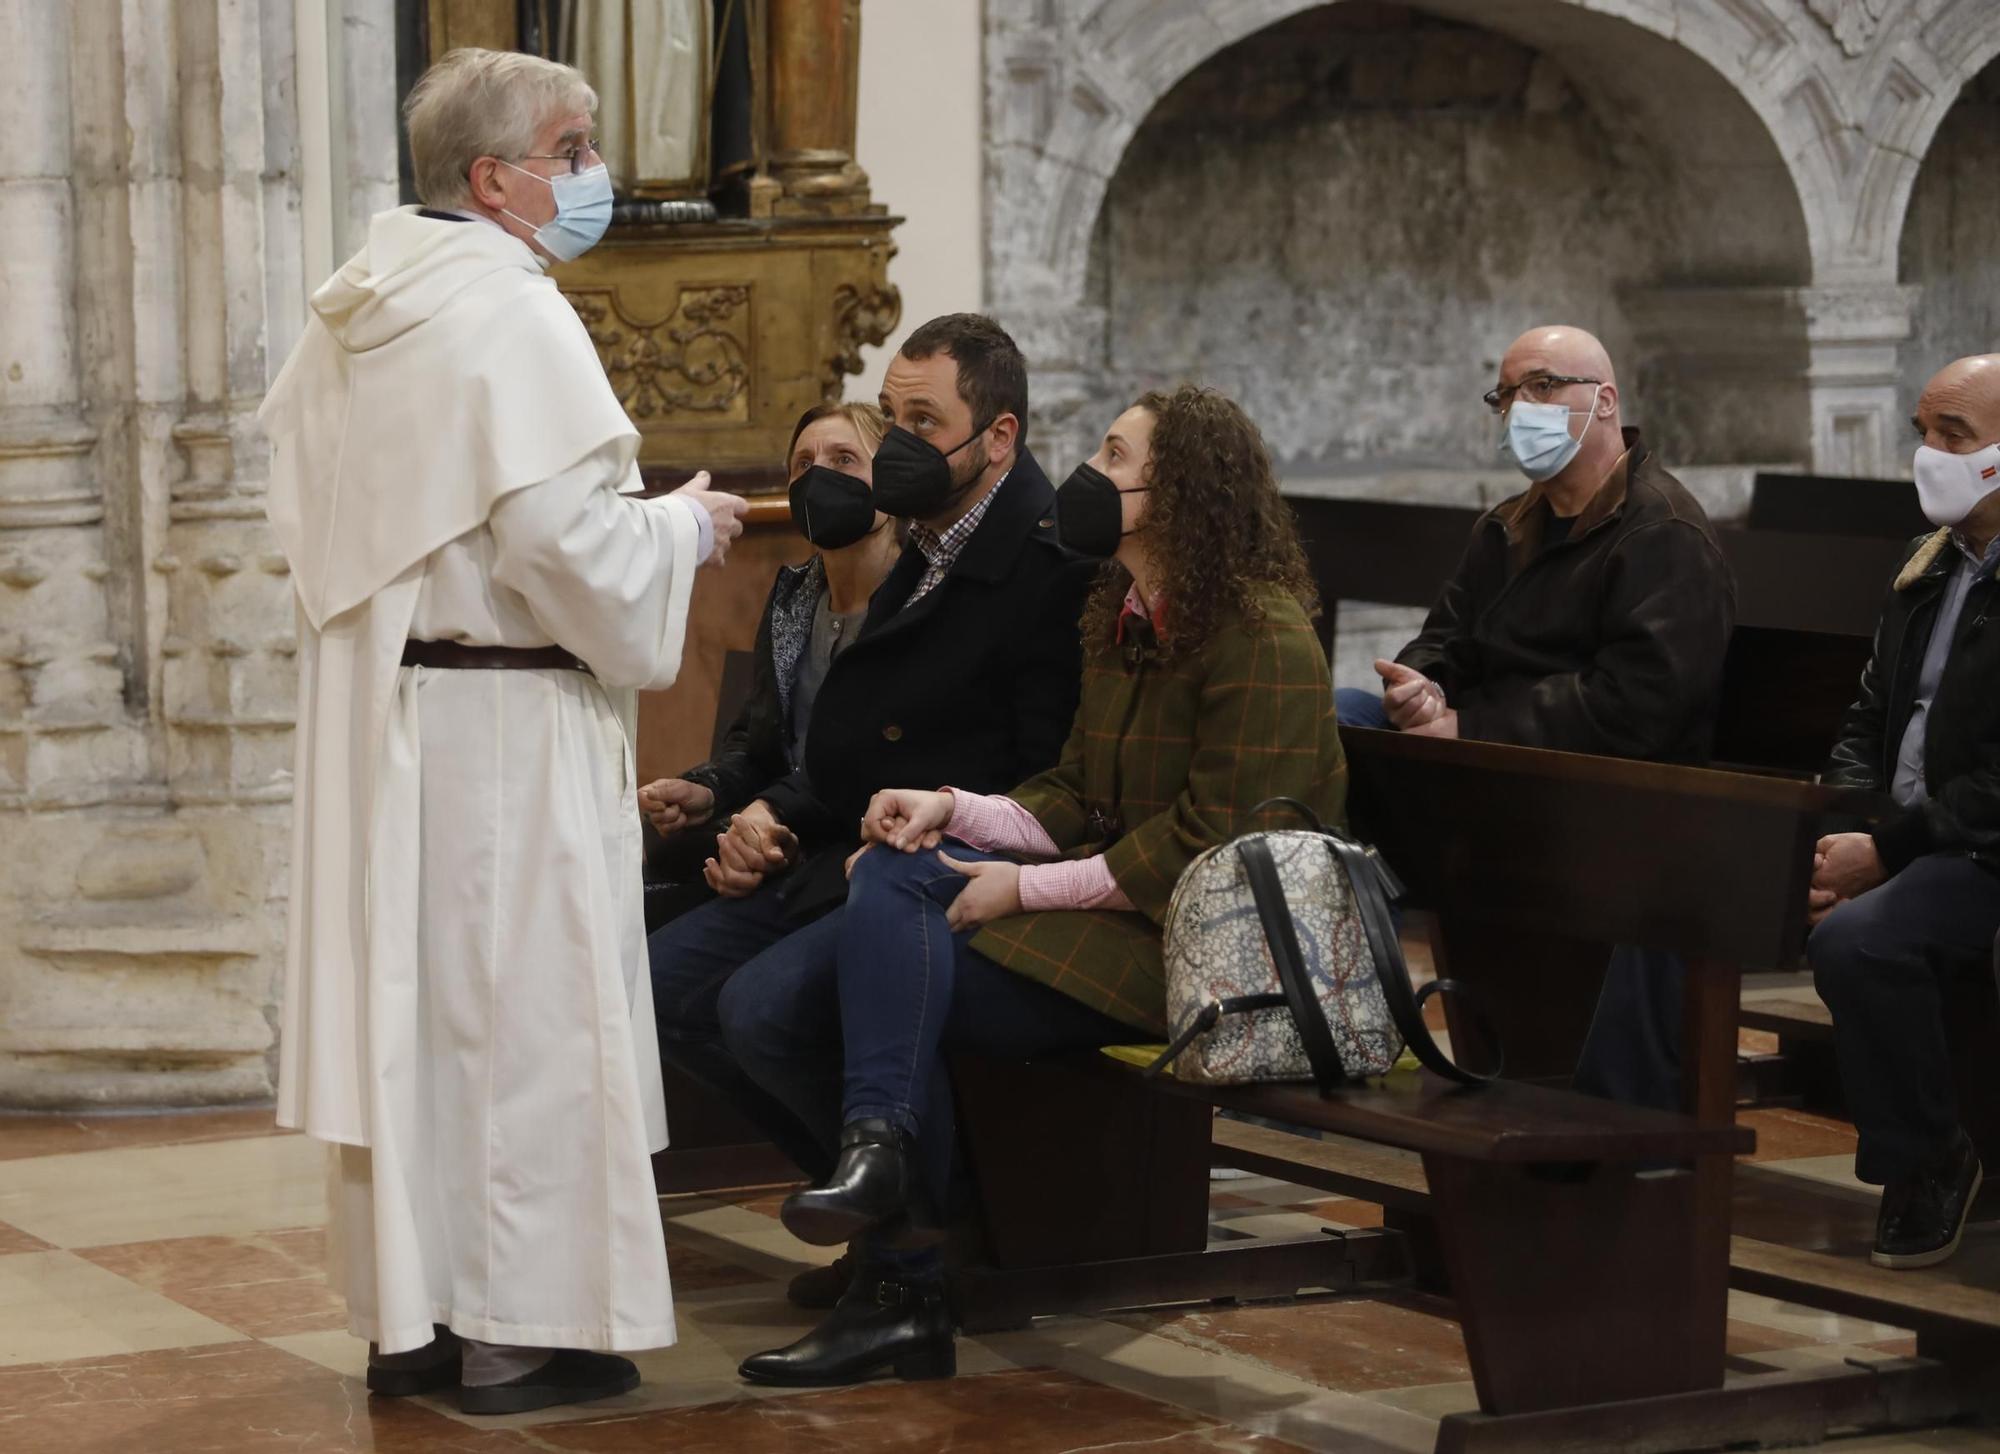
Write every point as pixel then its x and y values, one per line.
pixel 1836 505
pixel 1500 843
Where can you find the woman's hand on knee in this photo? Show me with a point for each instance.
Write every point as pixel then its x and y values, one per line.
pixel 906 819
pixel 992 891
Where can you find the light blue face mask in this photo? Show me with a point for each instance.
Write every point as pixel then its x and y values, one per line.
pixel 583 211
pixel 1536 437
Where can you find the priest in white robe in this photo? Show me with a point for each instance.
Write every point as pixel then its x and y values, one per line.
pixel 467 1011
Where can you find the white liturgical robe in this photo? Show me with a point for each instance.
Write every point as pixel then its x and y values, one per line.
pixel 468 1012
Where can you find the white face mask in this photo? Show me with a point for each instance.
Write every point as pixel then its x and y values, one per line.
pixel 1949 485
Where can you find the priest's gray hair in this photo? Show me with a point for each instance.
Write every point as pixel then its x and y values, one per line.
pixel 476 103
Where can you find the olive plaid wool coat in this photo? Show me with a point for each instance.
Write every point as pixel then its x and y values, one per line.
pixel 1166 760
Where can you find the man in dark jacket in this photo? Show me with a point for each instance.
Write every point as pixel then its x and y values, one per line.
pixel 1591 613
pixel 965 671
pixel 1902 908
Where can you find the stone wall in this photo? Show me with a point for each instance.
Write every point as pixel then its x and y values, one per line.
pixel 1343 219
pixel 1951 240
pixel 152 280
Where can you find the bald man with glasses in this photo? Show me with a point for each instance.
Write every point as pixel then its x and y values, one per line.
pixel 1591 613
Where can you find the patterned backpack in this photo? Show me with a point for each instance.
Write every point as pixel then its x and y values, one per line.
pixel 1283 964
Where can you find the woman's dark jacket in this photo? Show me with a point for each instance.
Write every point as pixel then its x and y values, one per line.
pixel 1610 641
pixel 1961 730
pixel 758 747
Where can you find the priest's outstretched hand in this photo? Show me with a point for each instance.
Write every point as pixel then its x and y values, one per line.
pixel 725 513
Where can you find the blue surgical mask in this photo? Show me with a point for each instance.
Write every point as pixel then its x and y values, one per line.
pixel 583 211
pixel 1536 437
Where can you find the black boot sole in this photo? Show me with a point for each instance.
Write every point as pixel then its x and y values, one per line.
pixel 409 1382
pixel 914 1366
pixel 835 1226
pixel 504 1399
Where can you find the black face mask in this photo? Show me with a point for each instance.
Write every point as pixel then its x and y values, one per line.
pixel 913 476
pixel 832 509
pixel 1090 516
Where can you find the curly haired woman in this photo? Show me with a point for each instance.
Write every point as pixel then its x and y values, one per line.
pixel 1037 929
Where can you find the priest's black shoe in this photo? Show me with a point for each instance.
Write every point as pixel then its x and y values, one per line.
pixel 876 1186
pixel 434 1366
pixel 881 1325
pixel 820 1288
pixel 1923 1216
pixel 572 1376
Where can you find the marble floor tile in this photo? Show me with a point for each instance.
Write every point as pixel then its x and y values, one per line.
pixel 1346 1212
pixel 1028 1411
pixel 1785 1134
pixel 13 1239
pixel 241 1398
pixel 1811 1325
pixel 746 1238
pixel 1353 1344
pixel 145 1194
pixel 1244 1393
pixel 267 1284
pixel 24 1133
pixel 55 1306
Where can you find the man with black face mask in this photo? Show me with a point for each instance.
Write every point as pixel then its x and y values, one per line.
pixel 966 670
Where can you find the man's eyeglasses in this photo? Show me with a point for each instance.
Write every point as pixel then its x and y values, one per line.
pixel 581 157
pixel 1536 388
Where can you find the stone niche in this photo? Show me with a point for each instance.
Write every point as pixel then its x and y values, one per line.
pixel 1344 218
pixel 1951 237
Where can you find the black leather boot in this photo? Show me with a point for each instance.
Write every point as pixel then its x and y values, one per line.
pixel 877 1186
pixel 880 1324
pixel 820 1288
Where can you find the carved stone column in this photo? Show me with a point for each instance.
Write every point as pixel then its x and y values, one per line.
pixel 1856 334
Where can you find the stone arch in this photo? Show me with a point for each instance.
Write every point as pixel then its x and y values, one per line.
pixel 1959 42
pixel 1065 99
pixel 1063 113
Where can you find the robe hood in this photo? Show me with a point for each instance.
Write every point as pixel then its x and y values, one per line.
pixel 441 370
pixel 410 268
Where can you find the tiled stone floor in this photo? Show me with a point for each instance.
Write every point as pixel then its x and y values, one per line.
pixel 161 1292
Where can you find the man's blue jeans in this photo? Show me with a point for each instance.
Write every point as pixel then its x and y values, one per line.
pixel 694 958
pixel 1356 708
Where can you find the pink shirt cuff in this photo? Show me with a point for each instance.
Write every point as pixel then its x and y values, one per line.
pixel 1080 884
pixel 997 824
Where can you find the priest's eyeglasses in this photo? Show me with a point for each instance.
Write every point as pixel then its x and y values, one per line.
pixel 1536 389
pixel 581 157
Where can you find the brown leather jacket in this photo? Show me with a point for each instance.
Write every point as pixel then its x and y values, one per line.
pixel 1610 641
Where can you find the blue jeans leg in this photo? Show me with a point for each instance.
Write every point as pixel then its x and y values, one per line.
pixel 910 990
pixel 1633 1051
pixel 693 958
pixel 1356 708
pixel 780 1018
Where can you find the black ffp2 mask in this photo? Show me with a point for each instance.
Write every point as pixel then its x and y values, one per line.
pixel 832 509
pixel 913 476
pixel 1090 515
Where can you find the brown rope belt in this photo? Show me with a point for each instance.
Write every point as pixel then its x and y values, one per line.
pixel 457 656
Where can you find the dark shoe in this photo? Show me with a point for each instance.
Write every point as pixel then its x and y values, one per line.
pixel 403 1382
pixel 876 1186
pixel 1923 1216
pixel 822 1287
pixel 880 1324
pixel 571 1377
